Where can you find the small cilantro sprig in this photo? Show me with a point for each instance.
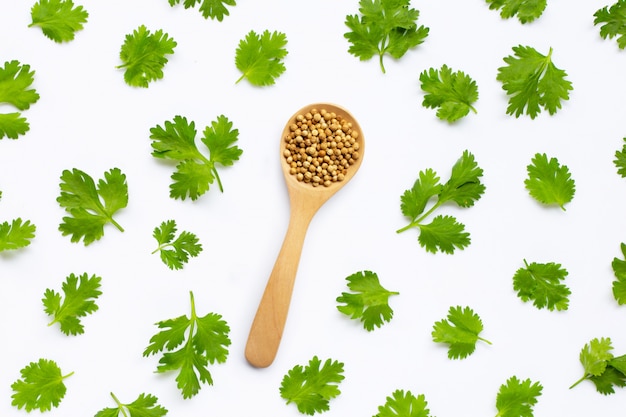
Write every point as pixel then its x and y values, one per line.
pixel 16 235
pixel 517 398
pixel 612 21
pixel 619 270
pixel 144 406
pixel 451 93
pixel 525 10
pixel 384 27
pixel 59 20
pixel 90 207
pixel 542 283
pixel 81 293
pixel 443 233
pixel 16 80
pixel 40 387
pixel 215 9
pixel 311 387
pixel 620 160
pixel 460 330
pixel 175 251
pixel 259 58
pixel 368 301
pixel 601 367
pixel 143 56
pixel 198 341
pixel 532 82
pixel 195 172
pixel 549 182
pixel 404 404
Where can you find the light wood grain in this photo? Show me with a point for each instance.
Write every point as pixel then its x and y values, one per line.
pixel 304 200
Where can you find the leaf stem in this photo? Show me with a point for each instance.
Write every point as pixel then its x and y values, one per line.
pixel 120 406
pixel 484 340
pixel 116 224
pixel 579 381
pixel 417 221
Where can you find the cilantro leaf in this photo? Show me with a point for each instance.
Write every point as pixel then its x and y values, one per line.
pixel 260 57
pixel 384 27
pixel 613 22
pixel 58 19
pixel 532 81
pixel 525 10
pixel 15 82
pixel 595 357
pixel 444 233
pixel 542 284
pixel 516 398
pixel 195 172
pixel 12 125
pixel 609 379
pixel 80 300
pixel 41 386
pixel 368 301
pixel 143 56
pixel 91 207
pixel 175 251
pixel 215 9
pixel 144 406
pixel 620 160
pixel 619 270
pixel 549 182
pixel 200 341
pixel 404 404
pixel 312 387
pixel 460 331
pixel 16 235
pixel 451 93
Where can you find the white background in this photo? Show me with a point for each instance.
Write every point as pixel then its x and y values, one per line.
pixel 88 118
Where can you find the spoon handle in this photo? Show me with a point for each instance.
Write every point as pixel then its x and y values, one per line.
pixel 269 321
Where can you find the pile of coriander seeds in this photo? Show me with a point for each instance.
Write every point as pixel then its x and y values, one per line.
pixel 320 146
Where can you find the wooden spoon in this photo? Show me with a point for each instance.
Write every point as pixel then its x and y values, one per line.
pixel 304 200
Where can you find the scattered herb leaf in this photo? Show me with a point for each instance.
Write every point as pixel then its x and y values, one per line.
pixel 601 367
pixel 16 235
pixel 525 10
pixel 620 160
pixel 464 188
pixel 451 93
pixel 549 182
pixel 517 398
pixel 460 331
pixel 312 387
pixel 80 300
pixel 15 90
pixel 619 269
pixel 143 56
pixel 59 20
pixel 215 9
pixel 404 404
pixel 91 207
pixel 384 27
pixel 204 340
pixel 612 21
pixel 542 283
pixel 260 57
pixel 41 386
pixel 532 81
pixel 144 406
pixel 175 251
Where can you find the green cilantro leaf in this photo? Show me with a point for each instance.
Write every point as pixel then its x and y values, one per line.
pixel 15 82
pixel 549 182
pixel 516 398
pixel 595 357
pixel 175 251
pixel 460 331
pixel 404 404
pixel 532 81
pixel 195 172
pixel 542 284
pixel 200 341
pixel 384 27
pixel 312 387
pixel 58 19
pixel 260 57
pixel 143 56
pixel 525 10
pixel 215 9
pixel 368 301
pixel 620 160
pixel 619 270
pixel 609 379
pixel 16 235
pixel 91 207
pixel 144 406
pixel 613 22
pixel 12 125
pixel 452 93
pixel 80 300
pixel 41 386
pixel 443 233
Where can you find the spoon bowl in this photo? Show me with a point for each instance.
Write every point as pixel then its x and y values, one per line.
pixel 305 200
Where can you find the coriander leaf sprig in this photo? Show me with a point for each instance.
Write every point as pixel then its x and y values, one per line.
pixel 451 93
pixel 59 20
pixel 215 9
pixel 612 21
pixel 549 182
pixel 517 398
pixel 460 330
pixel 16 80
pixel 404 404
pixel 260 57
pixel 175 251
pixel 620 160
pixel 619 270
pixel 443 233
pixel 41 386
pixel 542 283
pixel 16 235
pixel 144 406
pixel 601 367
pixel 525 10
